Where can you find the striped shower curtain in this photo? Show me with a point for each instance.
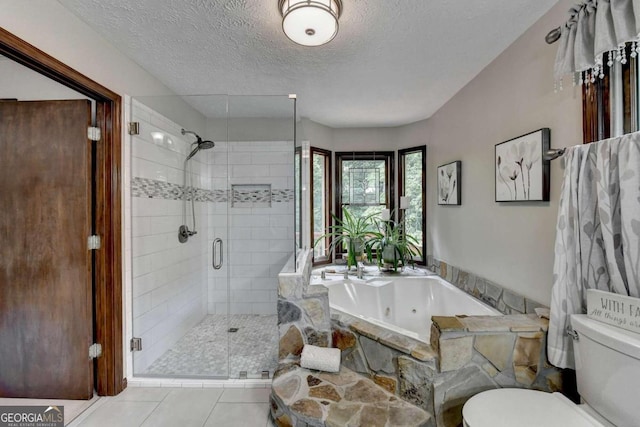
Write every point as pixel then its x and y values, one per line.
pixel 598 233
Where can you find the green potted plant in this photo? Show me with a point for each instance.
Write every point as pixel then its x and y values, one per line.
pixel 351 233
pixel 393 247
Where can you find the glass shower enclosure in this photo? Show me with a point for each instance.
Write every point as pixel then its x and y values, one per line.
pixel 211 187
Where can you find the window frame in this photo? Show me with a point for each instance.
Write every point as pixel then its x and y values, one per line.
pixel 387 156
pixel 610 105
pixel 401 187
pixel 328 197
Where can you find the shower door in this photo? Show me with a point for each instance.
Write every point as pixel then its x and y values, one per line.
pixel 206 307
pixel 261 226
pixel 178 300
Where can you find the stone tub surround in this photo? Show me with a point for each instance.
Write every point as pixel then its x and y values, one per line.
pixel 467 355
pixel 498 297
pixel 395 362
pixel 513 345
pixel 302 397
pixel 303 311
pixel 478 353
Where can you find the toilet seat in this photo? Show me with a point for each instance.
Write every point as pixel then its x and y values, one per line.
pixel 508 407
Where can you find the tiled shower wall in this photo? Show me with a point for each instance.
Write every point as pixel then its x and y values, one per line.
pixel 259 226
pixel 169 278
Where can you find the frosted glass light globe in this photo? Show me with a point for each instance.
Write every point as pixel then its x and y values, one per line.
pixel 310 22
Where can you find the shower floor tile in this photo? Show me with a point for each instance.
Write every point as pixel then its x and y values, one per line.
pixel 205 349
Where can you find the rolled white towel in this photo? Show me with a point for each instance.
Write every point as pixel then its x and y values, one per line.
pixel 320 358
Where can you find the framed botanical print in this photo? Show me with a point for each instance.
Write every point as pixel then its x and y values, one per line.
pixel 449 186
pixel 521 173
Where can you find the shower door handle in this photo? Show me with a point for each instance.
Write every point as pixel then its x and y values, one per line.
pixel 217 242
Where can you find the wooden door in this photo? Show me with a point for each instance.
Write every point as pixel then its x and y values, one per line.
pixel 46 294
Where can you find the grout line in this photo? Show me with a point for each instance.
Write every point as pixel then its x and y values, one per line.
pixel 151 413
pixel 87 412
pixel 216 384
pixel 211 411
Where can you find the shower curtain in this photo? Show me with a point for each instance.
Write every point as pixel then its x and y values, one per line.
pixel 598 233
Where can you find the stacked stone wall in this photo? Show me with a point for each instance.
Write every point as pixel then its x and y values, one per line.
pixel 493 294
pixel 303 312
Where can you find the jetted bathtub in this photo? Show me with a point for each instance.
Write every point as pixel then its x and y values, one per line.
pixel 403 304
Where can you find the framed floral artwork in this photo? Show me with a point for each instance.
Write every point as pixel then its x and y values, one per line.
pixel 522 174
pixel 449 187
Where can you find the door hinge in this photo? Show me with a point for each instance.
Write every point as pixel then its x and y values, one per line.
pixel 93 133
pixel 95 351
pixel 134 128
pixel 136 344
pixel 93 242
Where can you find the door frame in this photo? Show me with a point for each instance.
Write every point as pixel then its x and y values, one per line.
pixel 109 378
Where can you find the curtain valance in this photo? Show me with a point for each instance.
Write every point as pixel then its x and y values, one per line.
pixel 597 29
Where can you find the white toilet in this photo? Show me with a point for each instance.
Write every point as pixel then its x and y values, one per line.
pixel 608 376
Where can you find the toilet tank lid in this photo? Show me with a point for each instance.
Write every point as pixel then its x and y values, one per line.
pixel 618 339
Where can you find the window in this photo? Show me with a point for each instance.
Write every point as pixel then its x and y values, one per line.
pixel 365 182
pixel 411 184
pixel 320 192
pixel 610 106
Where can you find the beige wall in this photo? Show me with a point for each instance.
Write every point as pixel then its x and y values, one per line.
pixel 24 84
pixel 509 243
pixel 318 135
pixel 365 139
pixel 350 139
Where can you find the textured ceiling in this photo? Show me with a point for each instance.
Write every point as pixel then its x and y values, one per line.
pixel 393 61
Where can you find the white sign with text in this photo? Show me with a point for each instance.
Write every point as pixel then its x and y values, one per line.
pixel 615 309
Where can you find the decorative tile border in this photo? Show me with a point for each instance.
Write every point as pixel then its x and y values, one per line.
pixel 251 193
pixel 498 297
pixel 154 189
pixel 282 195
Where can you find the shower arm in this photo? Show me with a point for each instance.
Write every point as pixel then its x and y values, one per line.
pixel 190 132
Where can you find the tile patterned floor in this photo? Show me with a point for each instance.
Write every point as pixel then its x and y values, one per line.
pixel 205 349
pixel 170 407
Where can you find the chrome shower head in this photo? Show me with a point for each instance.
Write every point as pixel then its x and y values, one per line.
pixel 199 144
pixel 205 145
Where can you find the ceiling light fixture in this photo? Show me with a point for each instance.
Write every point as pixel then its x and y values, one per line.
pixel 310 22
